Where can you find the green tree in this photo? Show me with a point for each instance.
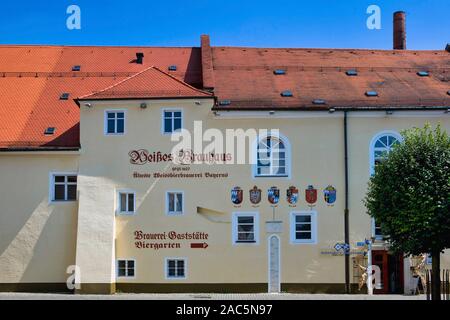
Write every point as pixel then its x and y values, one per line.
pixel 409 195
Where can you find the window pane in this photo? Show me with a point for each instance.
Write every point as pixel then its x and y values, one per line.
pixel 60 178
pixel 111 126
pixel 60 192
pixel 120 126
pixel 72 178
pixel 179 206
pixel 122 272
pixel 177 114
pixel 130 264
pixel 123 202
pixel 171 202
pixel 72 192
pixel 171 263
pixel 167 114
pixel 131 202
pixel 246 236
pixel 122 264
pixel 245 220
pixel 120 115
pixel 177 124
pixel 131 272
pixel 245 228
pixel 111 115
pixel 303 235
pixel 303 227
pixel 167 125
pixel 303 218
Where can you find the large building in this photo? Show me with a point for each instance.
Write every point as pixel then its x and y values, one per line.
pixel 88 178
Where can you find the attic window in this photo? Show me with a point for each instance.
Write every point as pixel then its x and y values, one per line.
pixel 224 102
pixel 319 101
pixel 371 93
pixel 173 68
pixel 49 130
pixel 286 93
pixel 64 96
pixel 423 73
pixel 278 72
pixel 351 73
pixel 76 68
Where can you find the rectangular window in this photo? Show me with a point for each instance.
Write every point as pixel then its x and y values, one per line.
pixel 126 268
pixel 175 268
pixel 172 120
pixel 245 228
pixel 174 202
pixel 115 122
pixel 303 227
pixel 64 187
pixel 126 202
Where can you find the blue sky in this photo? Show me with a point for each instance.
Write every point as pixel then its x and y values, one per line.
pixel 276 23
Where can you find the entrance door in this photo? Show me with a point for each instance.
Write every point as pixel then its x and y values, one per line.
pixel 274 264
pixel 391 267
pixel 380 259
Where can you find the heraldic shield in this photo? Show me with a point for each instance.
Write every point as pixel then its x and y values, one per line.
pixel 273 195
pixel 292 195
pixel 237 195
pixel 329 194
pixel 311 195
pixel 255 195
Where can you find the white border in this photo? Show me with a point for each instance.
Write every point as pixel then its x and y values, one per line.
pixel 105 122
pixel 235 215
pixel 314 234
pixel 279 262
pixel 166 270
pixel 182 203
pixel 171 109
pixel 117 268
pixel 51 185
pixel 123 213
pixel 288 151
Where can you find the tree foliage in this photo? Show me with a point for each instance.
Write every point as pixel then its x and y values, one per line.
pixel 409 194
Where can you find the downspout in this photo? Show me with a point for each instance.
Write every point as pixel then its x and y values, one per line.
pixel 346 211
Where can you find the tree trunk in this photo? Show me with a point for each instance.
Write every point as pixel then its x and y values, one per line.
pixel 436 277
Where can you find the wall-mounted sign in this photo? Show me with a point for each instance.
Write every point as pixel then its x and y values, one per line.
pixel 292 195
pixel 311 196
pixel 273 195
pixel 170 240
pixel 255 195
pixel 329 194
pixel 237 195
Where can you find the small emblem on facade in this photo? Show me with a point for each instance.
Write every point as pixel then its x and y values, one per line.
pixel 255 195
pixel 273 195
pixel 311 195
pixel 329 194
pixel 237 195
pixel 292 195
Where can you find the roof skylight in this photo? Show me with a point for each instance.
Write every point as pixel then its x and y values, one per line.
pixel 64 96
pixel 371 93
pixel 279 72
pixel 423 73
pixel 173 68
pixel 76 68
pixel 224 102
pixel 286 93
pixel 351 72
pixel 50 130
pixel 319 101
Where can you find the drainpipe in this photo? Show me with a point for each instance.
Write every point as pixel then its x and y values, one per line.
pixel 346 211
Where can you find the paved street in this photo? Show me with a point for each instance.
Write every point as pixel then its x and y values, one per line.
pixel 198 296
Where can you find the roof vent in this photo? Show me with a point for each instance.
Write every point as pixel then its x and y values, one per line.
pixel 224 102
pixel 279 72
pixel 76 68
pixel 173 68
pixel 286 93
pixel 319 101
pixel 139 57
pixel 49 130
pixel 423 73
pixel 64 96
pixel 372 93
pixel 351 73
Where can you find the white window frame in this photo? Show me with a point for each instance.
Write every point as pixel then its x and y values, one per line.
pixel 174 109
pixel 374 140
pixel 314 234
pixel 171 213
pixel 166 268
pixel 287 146
pixel 118 206
pixel 234 229
pixel 126 276
pixel 51 193
pixel 105 122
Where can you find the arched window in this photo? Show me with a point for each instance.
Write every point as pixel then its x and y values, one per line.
pixel 272 157
pixel 381 145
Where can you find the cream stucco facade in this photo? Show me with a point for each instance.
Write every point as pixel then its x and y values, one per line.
pixel 40 238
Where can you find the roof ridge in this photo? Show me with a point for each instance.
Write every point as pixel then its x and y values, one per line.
pixel 182 82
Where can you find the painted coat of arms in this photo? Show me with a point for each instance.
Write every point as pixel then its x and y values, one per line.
pixel 329 194
pixel 311 195
pixel 237 195
pixel 292 195
pixel 273 195
pixel 255 195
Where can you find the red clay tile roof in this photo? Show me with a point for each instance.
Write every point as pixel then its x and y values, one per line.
pixel 32 78
pixel 245 77
pixel 149 83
